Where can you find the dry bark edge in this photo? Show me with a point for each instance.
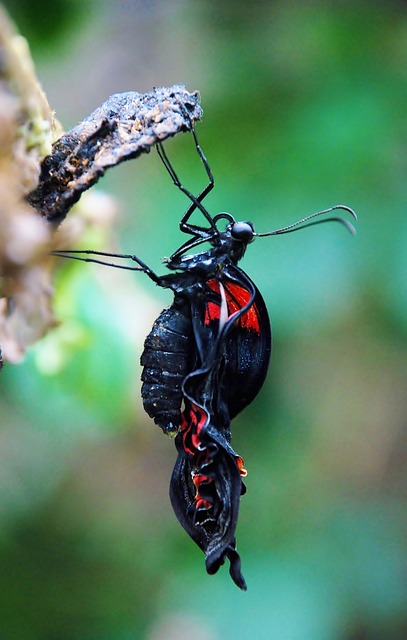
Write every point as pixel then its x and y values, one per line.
pixel 122 128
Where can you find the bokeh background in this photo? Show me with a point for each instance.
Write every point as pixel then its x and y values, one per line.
pixel 304 107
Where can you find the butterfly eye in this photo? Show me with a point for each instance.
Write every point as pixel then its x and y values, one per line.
pixel 242 231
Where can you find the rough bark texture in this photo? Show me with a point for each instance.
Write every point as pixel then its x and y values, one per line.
pixel 123 127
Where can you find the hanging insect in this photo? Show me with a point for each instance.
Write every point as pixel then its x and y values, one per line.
pixel 204 361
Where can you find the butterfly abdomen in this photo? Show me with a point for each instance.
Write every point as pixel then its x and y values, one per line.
pixel 166 362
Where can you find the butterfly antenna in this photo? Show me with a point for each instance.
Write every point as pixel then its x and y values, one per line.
pixel 304 222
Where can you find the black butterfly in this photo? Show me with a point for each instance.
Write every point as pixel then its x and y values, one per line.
pixel 204 361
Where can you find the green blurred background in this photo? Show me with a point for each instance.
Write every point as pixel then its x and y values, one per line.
pixel 305 107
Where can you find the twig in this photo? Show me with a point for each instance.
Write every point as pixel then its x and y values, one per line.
pixel 123 127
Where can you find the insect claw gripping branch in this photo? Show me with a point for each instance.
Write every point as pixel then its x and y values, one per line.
pixel 205 360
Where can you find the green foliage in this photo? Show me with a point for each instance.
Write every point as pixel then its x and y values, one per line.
pixel 46 22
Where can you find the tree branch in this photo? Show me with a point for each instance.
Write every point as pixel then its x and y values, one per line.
pixel 123 127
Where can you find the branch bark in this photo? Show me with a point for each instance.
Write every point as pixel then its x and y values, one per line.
pixel 123 127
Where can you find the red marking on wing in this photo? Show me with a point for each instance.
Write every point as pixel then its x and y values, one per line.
pixel 236 297
pixel 240 466
pixel 201 503
pixel 191 426
pixel 212 312
pixel 193 422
